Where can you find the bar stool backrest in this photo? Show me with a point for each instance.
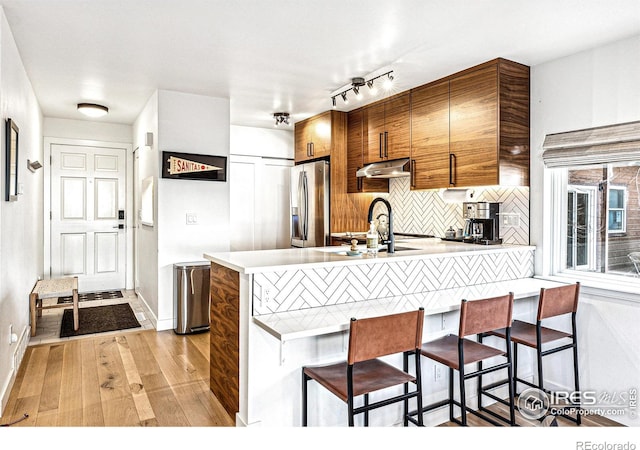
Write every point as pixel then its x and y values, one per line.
pixel 380 336
pixel 481 316
pixel 558 300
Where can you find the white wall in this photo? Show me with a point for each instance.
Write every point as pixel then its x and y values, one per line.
pixel 191 124
pixel 84 129
pixel 592 88
pixel 147 236
pixel 250 141
pixel 21 244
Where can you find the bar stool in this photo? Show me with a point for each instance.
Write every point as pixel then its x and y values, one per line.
pixel 363 373
pixel 552 302
pixel 456 352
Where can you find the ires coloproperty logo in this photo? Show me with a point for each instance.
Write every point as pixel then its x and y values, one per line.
pixel 534 403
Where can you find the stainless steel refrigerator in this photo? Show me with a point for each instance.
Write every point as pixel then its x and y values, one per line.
pixel 310 204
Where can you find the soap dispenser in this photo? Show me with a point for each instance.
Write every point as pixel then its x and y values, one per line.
pixel 372 240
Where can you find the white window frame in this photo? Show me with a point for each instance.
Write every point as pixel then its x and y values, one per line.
pixel 557 185
pixel 623 209
pixel 591 236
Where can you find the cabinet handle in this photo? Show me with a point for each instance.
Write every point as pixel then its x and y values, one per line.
pixel 413 173
pixel 380 145
pixel 386 144
pixel 452 169
pixel 308 149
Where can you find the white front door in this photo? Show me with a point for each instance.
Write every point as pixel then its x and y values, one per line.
pixel 88 233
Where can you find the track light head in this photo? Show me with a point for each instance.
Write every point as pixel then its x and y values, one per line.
pixel 372 89
pixel 281 118
pixel 344 97
pixel 333 101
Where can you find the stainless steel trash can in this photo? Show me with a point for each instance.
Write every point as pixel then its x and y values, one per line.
pixel 191 297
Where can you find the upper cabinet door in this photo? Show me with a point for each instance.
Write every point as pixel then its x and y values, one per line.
pixel 430 136
pixel 387 124
pixel 473 103
pixel 355 159
pixel 397 124
pixel 374 132
pixel 313 137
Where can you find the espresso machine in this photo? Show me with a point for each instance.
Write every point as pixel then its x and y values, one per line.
pixel 481 223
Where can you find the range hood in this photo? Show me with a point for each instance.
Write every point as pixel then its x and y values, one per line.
pixel 387 169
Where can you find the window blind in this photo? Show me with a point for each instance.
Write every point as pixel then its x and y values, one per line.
pixel 599 145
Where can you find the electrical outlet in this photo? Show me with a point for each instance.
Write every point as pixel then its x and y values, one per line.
pixel 266 294
pixel 510 220
pixel 444 322
pixel 192 219
pixel 437 373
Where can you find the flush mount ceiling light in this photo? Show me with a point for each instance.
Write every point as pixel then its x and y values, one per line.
pixel 92 109
pixel 358 82
pixel 281 118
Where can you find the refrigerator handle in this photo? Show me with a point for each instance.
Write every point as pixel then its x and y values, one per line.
pixel 303 202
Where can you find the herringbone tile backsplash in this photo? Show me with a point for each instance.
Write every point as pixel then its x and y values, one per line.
pixel 425 212
pixel 290 290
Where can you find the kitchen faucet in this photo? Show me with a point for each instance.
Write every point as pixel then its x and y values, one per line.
pixel 390 240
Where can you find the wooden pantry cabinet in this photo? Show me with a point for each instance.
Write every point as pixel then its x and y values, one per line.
pixel 313 137
pixel 355 157
pixel 472 128
pixel 387 126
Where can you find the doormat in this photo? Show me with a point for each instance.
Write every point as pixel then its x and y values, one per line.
pixel 88 296
pixel 99 319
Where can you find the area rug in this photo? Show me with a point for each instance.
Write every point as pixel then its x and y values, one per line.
pixel 99 319
pixel 88 296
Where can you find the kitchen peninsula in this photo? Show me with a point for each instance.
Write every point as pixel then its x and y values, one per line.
pixel 273 311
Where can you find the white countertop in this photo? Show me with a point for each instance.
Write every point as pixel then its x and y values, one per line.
pixel 332 319
pixel 273 260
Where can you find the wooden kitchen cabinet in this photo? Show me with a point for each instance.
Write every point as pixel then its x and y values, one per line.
pixel 387 125
pixel 484 122
pixel 355 158
pixel 430 136
pixel 313 137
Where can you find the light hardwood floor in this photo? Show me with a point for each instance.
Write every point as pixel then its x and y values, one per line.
pixel 143 378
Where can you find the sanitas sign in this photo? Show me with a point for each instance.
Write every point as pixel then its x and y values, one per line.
pixel 192 166
pixel 181 165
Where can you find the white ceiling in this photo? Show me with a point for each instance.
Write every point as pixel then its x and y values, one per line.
pixel 285 55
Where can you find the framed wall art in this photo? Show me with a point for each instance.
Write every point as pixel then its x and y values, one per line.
pixel 191 166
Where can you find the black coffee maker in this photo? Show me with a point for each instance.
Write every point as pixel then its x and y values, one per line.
pixel 482 224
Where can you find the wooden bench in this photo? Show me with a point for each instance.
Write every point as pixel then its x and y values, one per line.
pixel 55 287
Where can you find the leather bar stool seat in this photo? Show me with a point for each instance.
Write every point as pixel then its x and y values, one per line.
pixel 363 372
pixel 552 302
pixel 458 351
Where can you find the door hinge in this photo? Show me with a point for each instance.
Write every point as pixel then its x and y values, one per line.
pixel 50 159
pixel 50 215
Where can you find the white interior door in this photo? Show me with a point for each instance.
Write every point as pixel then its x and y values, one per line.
pixel 88 233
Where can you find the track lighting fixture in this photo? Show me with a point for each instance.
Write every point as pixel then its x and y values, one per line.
pixel 358 82
pixel 281 118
